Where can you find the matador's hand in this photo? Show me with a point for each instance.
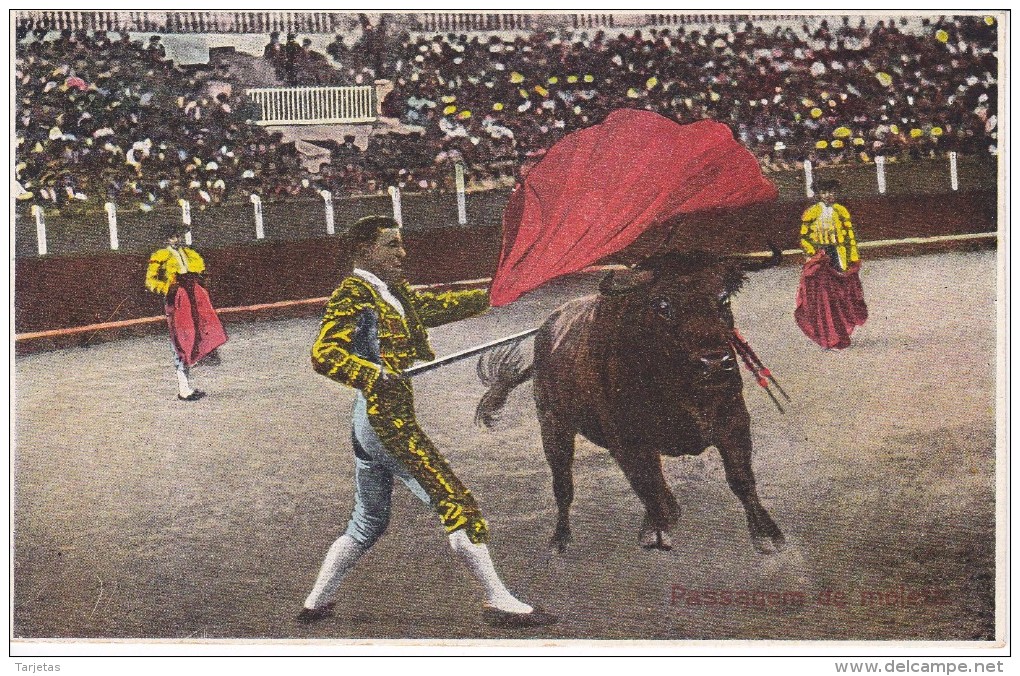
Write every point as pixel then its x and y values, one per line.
pixel 388 384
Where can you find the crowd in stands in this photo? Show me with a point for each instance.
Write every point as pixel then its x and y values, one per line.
pixel 102 117
pixel 110 118
pixel 298 65
pixel 835 92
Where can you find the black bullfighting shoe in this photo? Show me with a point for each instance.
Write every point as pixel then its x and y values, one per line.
pixel 313 615
pixel 194 396
pixel 504 620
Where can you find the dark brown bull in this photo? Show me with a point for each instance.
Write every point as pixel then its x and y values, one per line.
pixel 645 368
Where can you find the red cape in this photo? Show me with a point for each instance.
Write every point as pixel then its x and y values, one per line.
pixel 830 303
pixel 195 329
pixel 597 189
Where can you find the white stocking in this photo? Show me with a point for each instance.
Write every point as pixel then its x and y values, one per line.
pixel 183 388
pixel 340 558
pixel 478 561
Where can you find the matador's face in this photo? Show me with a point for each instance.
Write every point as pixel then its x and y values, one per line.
pixel 385 258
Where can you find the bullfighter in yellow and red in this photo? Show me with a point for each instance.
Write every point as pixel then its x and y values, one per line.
pixel 176 272
pixel 830 299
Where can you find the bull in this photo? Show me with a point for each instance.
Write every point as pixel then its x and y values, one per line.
pixel 644 368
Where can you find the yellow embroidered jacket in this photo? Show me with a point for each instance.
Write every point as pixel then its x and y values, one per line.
pixel 164 267
pixel 820 226
pixel 359 329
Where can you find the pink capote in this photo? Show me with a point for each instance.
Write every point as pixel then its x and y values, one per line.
pixel 195 329
pixel 830 303
pixel 597 189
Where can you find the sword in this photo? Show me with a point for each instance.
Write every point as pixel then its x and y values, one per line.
pixel 464 354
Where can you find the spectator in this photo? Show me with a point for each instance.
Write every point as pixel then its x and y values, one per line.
pixel 835 92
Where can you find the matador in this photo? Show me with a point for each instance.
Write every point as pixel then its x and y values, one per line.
pixel 374 328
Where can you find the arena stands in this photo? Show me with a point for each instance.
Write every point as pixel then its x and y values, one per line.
pixel 835 93
pixel 101 118
pixel 105 117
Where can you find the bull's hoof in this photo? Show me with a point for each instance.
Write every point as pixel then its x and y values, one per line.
pixel 655 539
pixel 767 545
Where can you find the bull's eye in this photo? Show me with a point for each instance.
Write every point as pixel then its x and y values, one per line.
pixel 724 299
pixel 662 307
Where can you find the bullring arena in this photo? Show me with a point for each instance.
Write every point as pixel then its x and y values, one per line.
pixel 137 516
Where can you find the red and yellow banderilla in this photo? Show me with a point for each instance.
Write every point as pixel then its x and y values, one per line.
pixel 762 375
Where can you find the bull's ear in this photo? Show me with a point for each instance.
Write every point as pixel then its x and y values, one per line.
pixel 734 276
pixel 625 281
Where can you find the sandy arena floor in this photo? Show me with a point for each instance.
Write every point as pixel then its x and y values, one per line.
pixel 140 516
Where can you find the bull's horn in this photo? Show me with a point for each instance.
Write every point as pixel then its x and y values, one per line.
pixel 752 262
pixel 776 258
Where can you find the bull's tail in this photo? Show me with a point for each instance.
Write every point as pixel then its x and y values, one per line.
pixel 501 369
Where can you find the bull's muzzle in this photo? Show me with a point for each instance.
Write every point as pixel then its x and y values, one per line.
pixel 717 364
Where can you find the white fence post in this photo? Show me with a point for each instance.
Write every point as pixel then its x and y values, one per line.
pixel 397 216
pixel 186 219
pixel 40 228
pixel 880 168
pixel 327 197
pixel 809 179
pixel 461 199
pixel 111 216
pixel 260 232
pixel 954 177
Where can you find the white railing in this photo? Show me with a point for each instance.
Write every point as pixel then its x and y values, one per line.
pixel 695 19
pixel 217 21
pixel 314 105
pixel 433 22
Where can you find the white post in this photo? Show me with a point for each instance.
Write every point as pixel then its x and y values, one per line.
pixel 185 211
pixel 395 194
pixel 880 168
pixel 257 204
pixel 186 219
pixel 40 228
pixel 327 197
pixel 808 179
pixel 461 199
pixel 111 216
pixel 954 177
